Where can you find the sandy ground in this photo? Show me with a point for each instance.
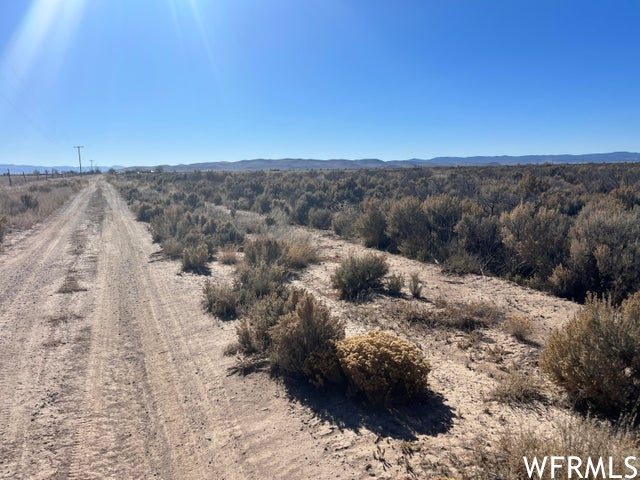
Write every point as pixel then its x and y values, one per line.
pixel 110 369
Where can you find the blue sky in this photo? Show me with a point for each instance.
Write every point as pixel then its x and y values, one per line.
pixel 148 82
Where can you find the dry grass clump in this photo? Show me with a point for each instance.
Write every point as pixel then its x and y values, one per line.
pixel 295 253
pixel 262 250
pixel 228 256
pixel 259 281
pixel 519 326
pixel 299 252
pixel 595 357
pixel 303 336
pixel 582 438
pixel 357 276
pixel 415 286
pixel 517 388
pixel 394 285
pixel 468 316
pixel 223 301
pixel 383 367
pixel 195 258
pixel 461 316
pixel 171 248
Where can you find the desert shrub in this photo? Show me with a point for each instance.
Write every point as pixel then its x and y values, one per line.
pixel 415 286
pixel 304 335
pixel 604 253
pixel 343 222
pixel 169 224
pixel 442 213
pixel 264 249
pixel 372 225
pixel 195 258
pixel 519 326
pixel 536 241
pixel 479 235
pixel 222 301
pixel 461 262
pixel 228 256
pixel 407 227
pixel 394 285
pixel 383 366
pixel 253 332
pixel 517 388
pixel 582 438
pixel 29 201
pixel 595 357
pixel 320 218
pixel 147 211
pixel 256 282
pixel 299 252
pixel 228 234
pixel 356 276
pixel 171 247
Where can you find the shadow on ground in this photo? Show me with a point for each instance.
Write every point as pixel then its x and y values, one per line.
pixel 159 256
pixel 426 416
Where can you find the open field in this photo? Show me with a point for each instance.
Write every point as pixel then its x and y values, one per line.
pixel 24 204
pixel 110 367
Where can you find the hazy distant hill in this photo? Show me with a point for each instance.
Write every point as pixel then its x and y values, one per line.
pixel 313 164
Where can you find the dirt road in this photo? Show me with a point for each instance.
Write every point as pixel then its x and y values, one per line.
pixel 109 368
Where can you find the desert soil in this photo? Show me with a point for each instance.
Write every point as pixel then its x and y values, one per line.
pixel 109 368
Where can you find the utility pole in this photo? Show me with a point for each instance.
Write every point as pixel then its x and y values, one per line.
pixel 91 165
pixel 79 157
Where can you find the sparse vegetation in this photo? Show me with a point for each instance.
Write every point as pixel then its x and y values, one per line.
pixel 519 326
pixel 595 357
pixel 358 276
pixel 228 256
pixel 529 223
pixel 222 301
pixel 516 387
pixel 415 285
pixel 577 437
pixel 304 335
pixel 394 285
pixel 24 205
pixel 195 258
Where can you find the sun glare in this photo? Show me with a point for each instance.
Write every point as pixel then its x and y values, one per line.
pixel 46 29
pixel 193 9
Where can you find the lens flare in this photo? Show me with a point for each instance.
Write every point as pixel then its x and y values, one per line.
pixel 192 9
pixel 46 29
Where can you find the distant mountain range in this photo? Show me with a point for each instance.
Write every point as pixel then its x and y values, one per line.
pixel 313 164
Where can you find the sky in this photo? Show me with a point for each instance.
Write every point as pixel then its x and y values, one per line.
pixel 149 82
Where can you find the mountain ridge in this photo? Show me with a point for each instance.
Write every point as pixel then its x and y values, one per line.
pixel 347 164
